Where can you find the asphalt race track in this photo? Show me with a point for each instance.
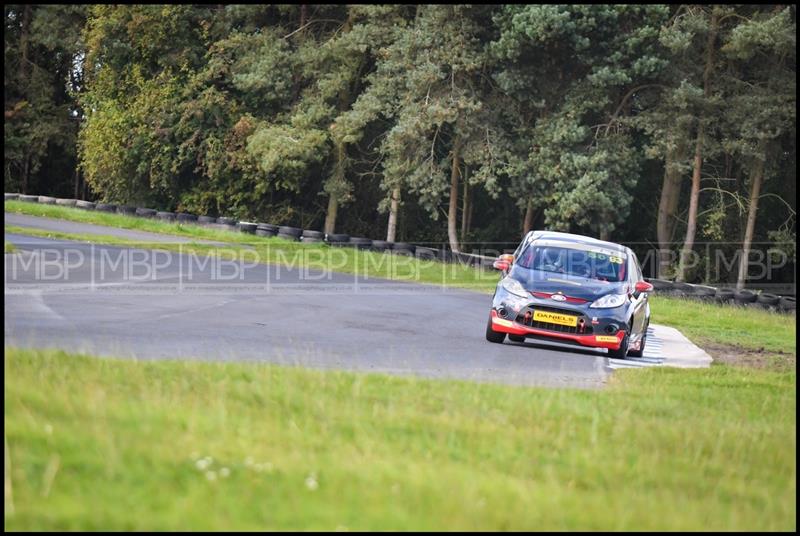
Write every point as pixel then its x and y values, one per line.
pixel 97 299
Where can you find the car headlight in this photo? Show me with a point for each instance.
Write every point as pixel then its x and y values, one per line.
pixel 609 300
pixel 514 287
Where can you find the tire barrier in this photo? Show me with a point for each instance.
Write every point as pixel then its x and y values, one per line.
pixel 106 207
pixel 126 210
pixel 294 232
pixel 337 238
pixel 247 227
pixel 290 237
pixel 724 295
pixel 227 221
pixel 85 205
pixel 266 229
pixel 425 253
pixel 206 219
pixel 360 242
pixel 184 217
pixel 29 198
pixel 404 248
pixel 12 197
pixel 381 245
pixel 704 292
pixel 146 212
pixel 315 236
pixel 165 216
pixel 45 200
pixel 66 202
pixel 744 296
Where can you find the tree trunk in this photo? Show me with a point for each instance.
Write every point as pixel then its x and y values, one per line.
pixel 527 222
pixel 77 180
pixel 668 204
pixel 755 191
pixel 466 207
pixel 452 228
pixel 24 83
pixel 25 174
pixel 391 231
pixel 330 216
pixel 694 199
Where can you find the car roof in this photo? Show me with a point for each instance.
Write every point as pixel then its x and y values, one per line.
pixel 568 238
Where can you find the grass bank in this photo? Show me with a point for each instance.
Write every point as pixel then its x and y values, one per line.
pixel 123 445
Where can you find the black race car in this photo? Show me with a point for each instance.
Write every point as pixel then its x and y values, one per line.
pixel 571 289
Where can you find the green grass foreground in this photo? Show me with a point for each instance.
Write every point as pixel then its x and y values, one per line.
pixel 95 444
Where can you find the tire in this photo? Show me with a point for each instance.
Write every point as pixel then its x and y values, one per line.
pixel 765 298
pixel 683 289
pixel 337 238
pixel 265 233
pixel 744 296
pixel 85 205
pixel 127 210
pixel 290 237
pixel 247 227
pixel 185 218
pixel 381 245
pixel 622 352
pixel 360 242
pixel 66 202
pixel 308 240
pixel 47 200
pixel 268 227
pixel 724 295
pixel 492 335
pixel 29 198
pixel 640 351
pixel 787 304
pixel 12 197
pixel 425 253
pixel 516 338
pixel 166 216
pixel 227 221
pixel 291 231
pixel 206 219
pixel 106 207
pixel 704 292
pixel 307 233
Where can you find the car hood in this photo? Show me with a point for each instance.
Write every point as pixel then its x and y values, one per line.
pixel 569 285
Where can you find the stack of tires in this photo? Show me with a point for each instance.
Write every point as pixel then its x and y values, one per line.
pixel 146 212
pixel 45 200
pixel 404 248
pixel 359 242
pixel 184 217
pixel 337 239
pixel 382 245
pixel 290 233
pixel 66 202
pixel 106 207
pixel 309 236
pixel 247 227
pixel 206 219
pixel 425 253
pixel 266 229
pixel 11 197
pixel 85 205
pixel 29 198
pixel 126 210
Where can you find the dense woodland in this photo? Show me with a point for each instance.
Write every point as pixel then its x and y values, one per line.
pixel 668 125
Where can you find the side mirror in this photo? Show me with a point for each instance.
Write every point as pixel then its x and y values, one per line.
pixel 643 286
pixel 503 262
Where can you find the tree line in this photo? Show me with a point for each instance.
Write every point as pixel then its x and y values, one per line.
pixel 669 124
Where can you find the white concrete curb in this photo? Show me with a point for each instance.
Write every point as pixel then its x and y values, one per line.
pixel 666 347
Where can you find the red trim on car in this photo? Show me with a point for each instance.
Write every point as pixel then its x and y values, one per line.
pixel 595 341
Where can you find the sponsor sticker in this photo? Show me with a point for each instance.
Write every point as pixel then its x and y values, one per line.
pixel 605 338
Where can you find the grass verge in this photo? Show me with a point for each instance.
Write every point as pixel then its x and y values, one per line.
pixel 9 247
pixel 95 444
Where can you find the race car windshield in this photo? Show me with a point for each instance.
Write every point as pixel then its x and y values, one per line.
pixel 574 262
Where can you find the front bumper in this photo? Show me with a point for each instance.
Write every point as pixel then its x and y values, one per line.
pixel 612 342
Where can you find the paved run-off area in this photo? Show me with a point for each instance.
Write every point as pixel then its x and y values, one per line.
pixel 161 304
